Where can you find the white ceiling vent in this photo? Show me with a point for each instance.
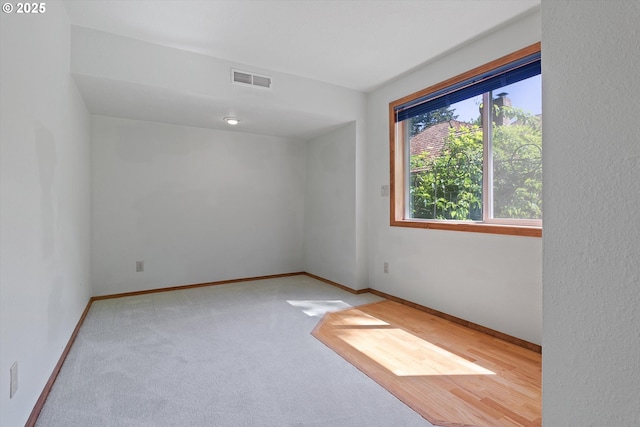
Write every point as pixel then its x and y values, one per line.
pixel 246 78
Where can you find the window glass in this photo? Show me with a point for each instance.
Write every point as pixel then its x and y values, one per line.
pixel 517 151
pixel 446 160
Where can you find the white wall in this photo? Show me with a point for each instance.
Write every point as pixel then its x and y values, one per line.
pixel 128 78
pixel 362 201
pixel 330 209
pixel 591 99
pixel 492 280
pixel 196 205
pixel 45 204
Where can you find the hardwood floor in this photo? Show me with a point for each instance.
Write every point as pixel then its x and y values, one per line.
pixel 449 374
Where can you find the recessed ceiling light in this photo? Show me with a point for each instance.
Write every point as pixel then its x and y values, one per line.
pixel 231 120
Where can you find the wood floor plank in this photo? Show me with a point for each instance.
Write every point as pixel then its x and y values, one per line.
pixel 452 375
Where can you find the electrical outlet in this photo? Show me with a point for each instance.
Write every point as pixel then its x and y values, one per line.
pixel 139 266
pixel 14 380
pixel 386 267
pixel 384 191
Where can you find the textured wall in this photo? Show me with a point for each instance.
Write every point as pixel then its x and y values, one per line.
pixel 591 95
pixel 196 205
pixel 45 204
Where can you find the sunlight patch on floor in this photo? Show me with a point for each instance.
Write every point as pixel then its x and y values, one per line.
pixel 319 308
pixel 356 318
pixel 405 354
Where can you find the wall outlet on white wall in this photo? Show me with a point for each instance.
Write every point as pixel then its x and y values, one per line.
pixel 14 380
pixel 386 267
pixel 384 191
pixel 139 266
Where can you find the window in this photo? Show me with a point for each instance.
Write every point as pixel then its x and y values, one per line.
pixel 466 154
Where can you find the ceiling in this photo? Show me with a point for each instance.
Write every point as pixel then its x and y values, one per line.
pixel 354 44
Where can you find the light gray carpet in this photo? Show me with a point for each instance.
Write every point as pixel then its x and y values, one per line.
pixel 230 355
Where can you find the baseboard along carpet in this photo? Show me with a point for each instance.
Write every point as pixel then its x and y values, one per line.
pixel 230 355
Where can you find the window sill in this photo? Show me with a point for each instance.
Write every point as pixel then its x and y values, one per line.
pixel 472 227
